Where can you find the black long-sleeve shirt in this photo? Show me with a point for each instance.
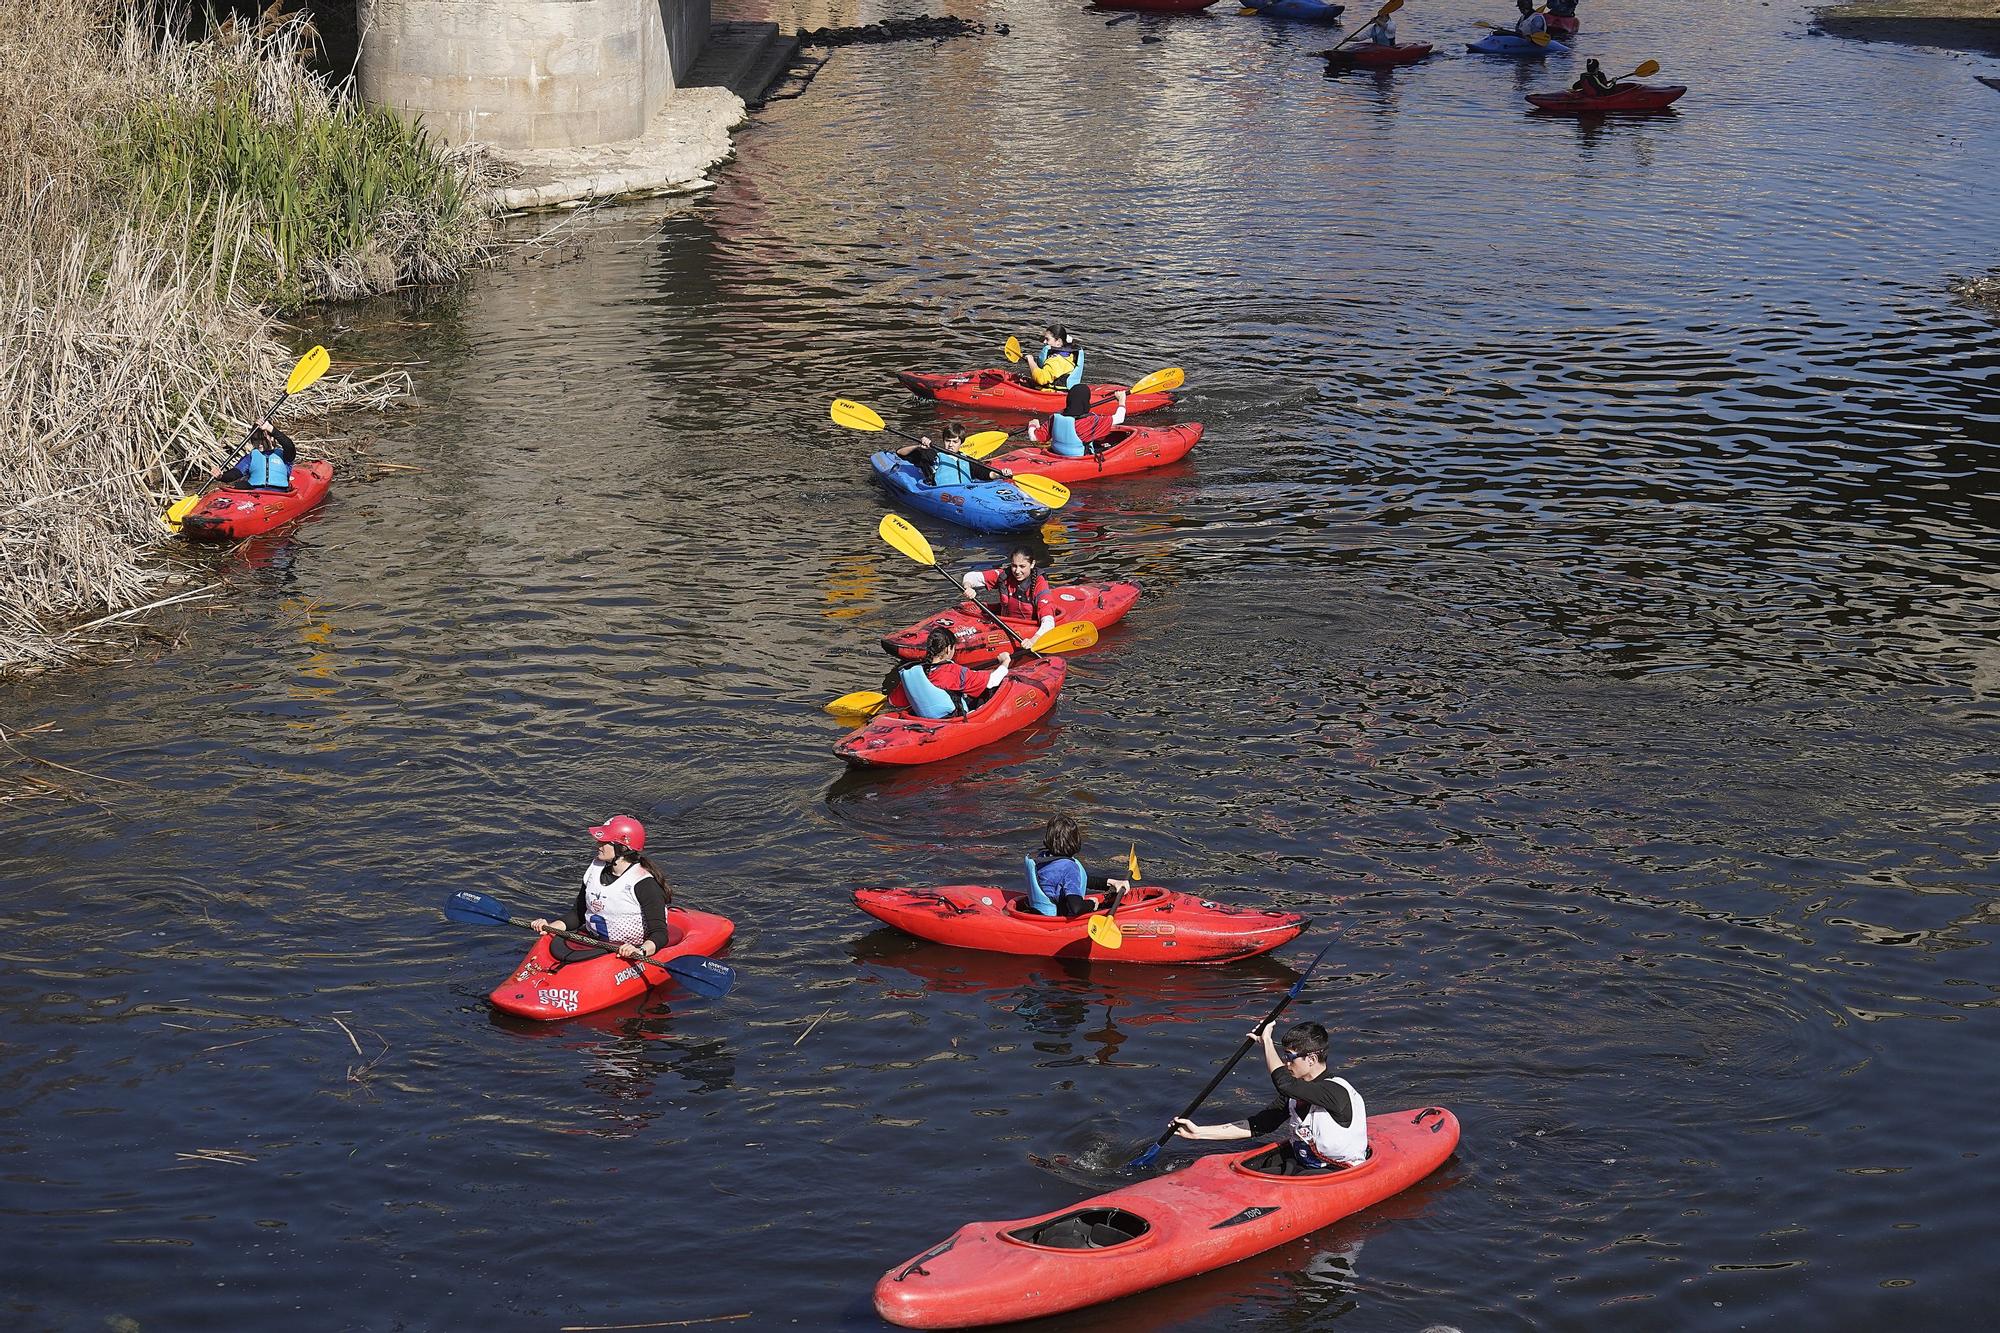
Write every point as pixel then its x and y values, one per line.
pixel 1323 1092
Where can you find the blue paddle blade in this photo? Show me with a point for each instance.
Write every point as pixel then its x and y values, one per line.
pixel 1144 1159
pixel 703 976
pixel 475 909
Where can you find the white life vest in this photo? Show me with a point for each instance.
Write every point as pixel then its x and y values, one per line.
pixel 1326 1138
pixel 611 911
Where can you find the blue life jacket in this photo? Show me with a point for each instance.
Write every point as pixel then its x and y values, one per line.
pixel 926 698
pixel 1063 438
pixel 269 470
pixel 1067 878
pixel 1075 376
pixel 951 469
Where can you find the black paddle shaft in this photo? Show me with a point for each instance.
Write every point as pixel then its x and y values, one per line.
pixel 1241 1051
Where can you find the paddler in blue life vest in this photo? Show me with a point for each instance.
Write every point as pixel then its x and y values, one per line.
pixel 1059 363
pixel 1326 1123
pixel 267 466
pixel 1058 885
pixel 1382 32
pixel 938 687
pixel 1024 593
pixel 1078 428
pixel 943 463
pixel 623 900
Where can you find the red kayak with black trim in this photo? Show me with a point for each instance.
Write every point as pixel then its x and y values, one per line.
pixel 1377 57
pixel 1213 1213
pixel 980 641
pixel 545 989
pixel 1627 98
pixel 1125 449
pixel 231 512
pixel 897 737
pixel 1003 391
pixel 1159 925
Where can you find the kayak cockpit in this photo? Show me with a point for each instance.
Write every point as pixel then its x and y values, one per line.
pixel 1147 896
pixel 1084 1229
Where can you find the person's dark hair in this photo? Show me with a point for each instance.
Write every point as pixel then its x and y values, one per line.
pixel 646 864
pixel 1305 1038
pixel 954 433
pixel 1076 402
pixel 938 640
pixel 1022 550
pixel 1591 64
pixel 1062 837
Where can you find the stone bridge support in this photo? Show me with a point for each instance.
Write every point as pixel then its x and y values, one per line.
pixel 529 73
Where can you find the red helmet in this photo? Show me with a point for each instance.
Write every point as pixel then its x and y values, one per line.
pixel 623 830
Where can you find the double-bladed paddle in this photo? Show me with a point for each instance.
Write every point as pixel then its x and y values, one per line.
pixel 987 442
pixel 700 974
pixel 304 375
pixel 902 534
pixel 1061 639
pixel 1380 14
pixel 1538 38
pixel 859 416
pixel 1147 1157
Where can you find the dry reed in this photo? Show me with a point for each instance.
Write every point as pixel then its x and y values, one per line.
pixel 136 282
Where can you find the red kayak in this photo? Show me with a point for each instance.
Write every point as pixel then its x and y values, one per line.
pixel 543 988
pixel 1126 449
pixel 1003 391
pixel 1379 57
pixel 1627 98
pixel 1213 1213
pixel 1159 925
pixel 980 641
pixel 1563 25
pixel 230 512
pixel 897 737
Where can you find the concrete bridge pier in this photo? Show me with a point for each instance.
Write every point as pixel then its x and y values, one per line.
pixel 529 74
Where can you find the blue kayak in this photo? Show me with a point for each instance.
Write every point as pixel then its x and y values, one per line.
pixel 1299 11
pixel 1507 44
pixel 983 506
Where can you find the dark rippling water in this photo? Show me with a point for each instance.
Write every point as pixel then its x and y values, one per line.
pixel 1582 605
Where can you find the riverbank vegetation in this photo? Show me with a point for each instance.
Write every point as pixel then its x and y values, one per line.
pixel 163 203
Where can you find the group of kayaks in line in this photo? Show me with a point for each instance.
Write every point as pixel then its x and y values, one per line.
pixel 1532 36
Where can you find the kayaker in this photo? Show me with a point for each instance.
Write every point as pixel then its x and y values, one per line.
pixel 1593 81
pixel 938 687
pixel 1024 591
pixel 1059 364
pixel 1058 885
pixel 267 465
pixel 1327 1123
pixel 623 901
pixel 944 463
pixel 1531 20
pixel 1075 430
pixel 1382 32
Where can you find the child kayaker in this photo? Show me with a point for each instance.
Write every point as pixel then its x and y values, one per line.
pixel 1073 431
pixel 1531 20
pixel 267 465
pixel 1593 81
pixel 1024 592
pixel 623 901
pixel 944 464
pixel 1382 32
pixel 1059 363
pixel 1058 885
pixel 938 687
pixel 1327 1123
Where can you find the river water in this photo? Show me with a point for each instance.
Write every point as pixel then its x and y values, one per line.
pixel 1582 606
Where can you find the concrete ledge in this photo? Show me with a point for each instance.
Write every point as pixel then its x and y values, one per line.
pixel 689 135
pixel 1955 25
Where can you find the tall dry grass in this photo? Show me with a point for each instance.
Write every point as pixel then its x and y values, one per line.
pixel 137 278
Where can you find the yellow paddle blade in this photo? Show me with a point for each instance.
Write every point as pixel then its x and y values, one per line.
pixel 856 416
pixel 1132 857
pixel 1161 381
pixel 861 703
pixel 310 367
pixel 1066 638
pixel 179 510
pixel 983 444
pixel 1012 348
pixel 900 533
pixel 1050 494
pixel 1646 69
pixel 1386 10
pixel 1539 38
pixel 1103 930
